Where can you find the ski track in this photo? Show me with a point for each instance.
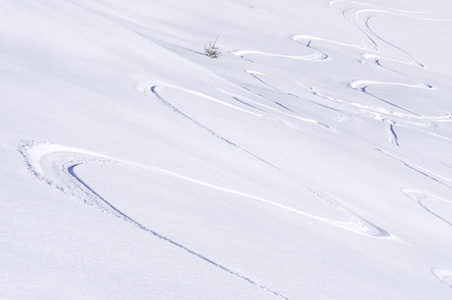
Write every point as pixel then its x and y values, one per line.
pixel 358 14
pixel 357 224
pixel 153 91
pixel 363 85
pixel 70 184
pixel 421 198
pixel 354 10
pixel 55 165
pixel 250 103
pixel 353 15
pixel 317 56
pixel 306 40
pixel 64 170
pixel 392 136
pixel 359 17
pixel 425 172
pixel 381 113
pixel 412 121
pixel 35 152
pixel 443 275
pixel 298 116
pixel 321 56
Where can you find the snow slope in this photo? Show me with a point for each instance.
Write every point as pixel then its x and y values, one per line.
pixel 313 160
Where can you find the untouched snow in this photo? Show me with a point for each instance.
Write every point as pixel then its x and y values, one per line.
pixel 313 160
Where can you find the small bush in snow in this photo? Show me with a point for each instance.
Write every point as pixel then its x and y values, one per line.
pixel 212 50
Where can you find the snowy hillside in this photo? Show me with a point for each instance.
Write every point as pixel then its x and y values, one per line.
pixel 312 160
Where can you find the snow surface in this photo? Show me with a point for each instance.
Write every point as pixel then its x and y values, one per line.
pixel 313 160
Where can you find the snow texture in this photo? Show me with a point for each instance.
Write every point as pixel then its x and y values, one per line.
pixel 312 160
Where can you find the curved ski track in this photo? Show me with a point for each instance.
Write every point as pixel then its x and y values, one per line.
pixel 342 115
pixel 423 171
pixel 421 198
pixel 444 276
pixel 55 165
pixel 316 56
pixel 65 179
pixel 356 224
pixel 358 14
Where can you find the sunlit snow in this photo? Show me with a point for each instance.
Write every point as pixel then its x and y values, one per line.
pixel 312 160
